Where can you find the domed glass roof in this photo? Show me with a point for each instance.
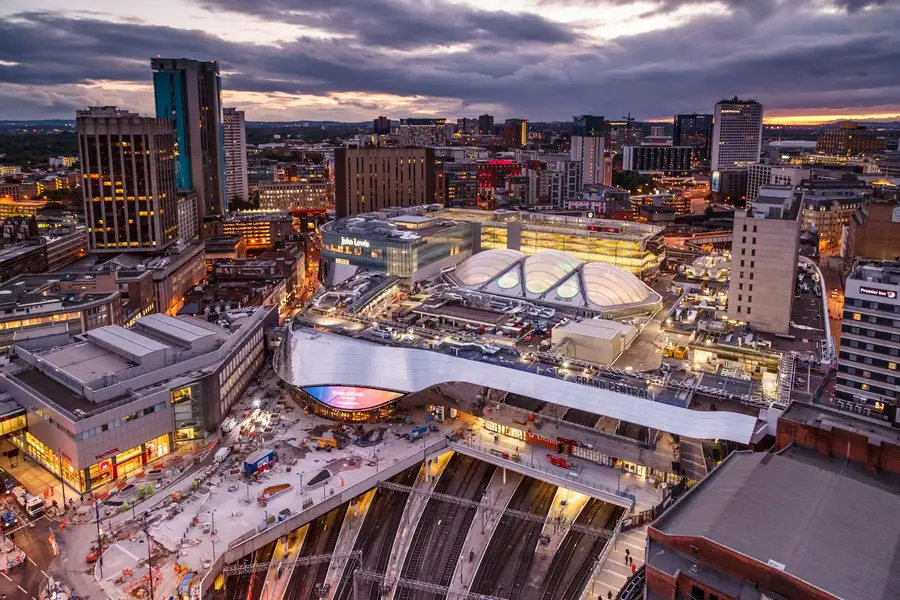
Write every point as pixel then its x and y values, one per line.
pixel 486 265
pixel 546 268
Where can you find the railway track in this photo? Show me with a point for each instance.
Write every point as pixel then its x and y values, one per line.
pixel 244 586
pixel 573 562
pixel 264 554
pixel 512 546
pixel 320 539
pixel 443 527
pixel 376 536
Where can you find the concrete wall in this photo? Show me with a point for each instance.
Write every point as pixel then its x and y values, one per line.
pixel 761 290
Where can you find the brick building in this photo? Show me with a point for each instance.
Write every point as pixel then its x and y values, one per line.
pixel 805 522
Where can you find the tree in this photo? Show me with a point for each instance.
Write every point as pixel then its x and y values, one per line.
pixel 238 203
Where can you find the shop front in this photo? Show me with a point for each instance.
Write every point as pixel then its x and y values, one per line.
pixel 129 461
pixel 188 410
pixel 56 463
pixel 506 430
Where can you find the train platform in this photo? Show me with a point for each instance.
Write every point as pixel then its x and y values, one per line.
pixel 567 505
pixel 415 506
pixel 499 492
pixel 356 514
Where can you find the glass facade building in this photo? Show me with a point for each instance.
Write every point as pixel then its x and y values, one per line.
pixel 395 251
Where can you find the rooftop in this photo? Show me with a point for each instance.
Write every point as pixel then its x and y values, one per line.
pixel 822 520
pixel 253 216
pixel 313 358
pixel 405 227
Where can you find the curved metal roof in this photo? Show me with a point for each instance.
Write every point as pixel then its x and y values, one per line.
pixel 314 358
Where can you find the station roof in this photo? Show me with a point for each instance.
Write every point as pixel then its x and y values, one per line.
pixel 824 520
pixel 555 277
pixel 315 358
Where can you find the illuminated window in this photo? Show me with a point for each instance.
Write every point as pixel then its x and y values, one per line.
pixel 892 366
pixel 856 316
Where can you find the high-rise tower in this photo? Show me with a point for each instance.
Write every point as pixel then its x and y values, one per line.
pixel 737 134
pixel 128 163
pixel 189 92
pixel 235 155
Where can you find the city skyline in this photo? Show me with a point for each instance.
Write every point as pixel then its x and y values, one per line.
pixel 544 59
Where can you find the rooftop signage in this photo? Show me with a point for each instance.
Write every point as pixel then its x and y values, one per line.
pixel 613 386
pixel 870 291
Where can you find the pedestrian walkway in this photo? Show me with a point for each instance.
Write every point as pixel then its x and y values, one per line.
pixel 356 514
pixel 34 477
pixel 499 492
pixel 613 573
pixel 415 506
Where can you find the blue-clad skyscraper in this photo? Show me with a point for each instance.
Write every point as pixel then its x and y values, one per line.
pixel 190 93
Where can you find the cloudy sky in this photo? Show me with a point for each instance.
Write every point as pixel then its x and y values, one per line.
pixel 539 59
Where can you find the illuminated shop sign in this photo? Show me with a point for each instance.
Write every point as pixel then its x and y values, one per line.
pixel 351 398
pixel 345 241
pixel 613 386
pixel 109 452
pixel 870 291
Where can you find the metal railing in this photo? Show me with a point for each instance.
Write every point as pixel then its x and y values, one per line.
pixel 559 473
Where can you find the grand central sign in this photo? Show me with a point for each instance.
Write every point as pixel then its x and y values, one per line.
pixel 613 386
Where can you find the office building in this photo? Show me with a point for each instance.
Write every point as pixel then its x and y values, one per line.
pixel 657 159
pixel 849 139
pixel 235 135
pixel 694 130
pixel 422 133
pixel 602 201
pixel 591 152
pixel 129 204
pixel 189 92
pixel 188 220
pixel 759 175
pixel 381 126
pixel 19 208
pixel 261 229
pixel 457 183
pixel 493 173
pixel 764 254
pixel 567 179
pixel 867 379
pixel 730 186
pixel 31 301
pixel 874 232
pixel 587 126
pixel 515 133
pixel 294 195
pixel 467 126
pixel 123 398
pixel 486 124
pixel 783 524
pixel 626 132
pixel 370 179
pixel 64 245
pixel 829 205
pixel 737 134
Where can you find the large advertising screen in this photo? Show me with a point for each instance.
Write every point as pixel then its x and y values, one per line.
pixel 351 398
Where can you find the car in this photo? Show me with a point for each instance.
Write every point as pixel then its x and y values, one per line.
pixel 9 519
pixel 8 483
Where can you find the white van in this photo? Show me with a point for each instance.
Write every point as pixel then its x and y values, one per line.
pixel 228 425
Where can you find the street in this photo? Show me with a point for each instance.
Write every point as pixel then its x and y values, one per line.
pixel 24 581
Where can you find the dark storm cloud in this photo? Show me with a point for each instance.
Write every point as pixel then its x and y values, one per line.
pixel 785 54
pixel 404 24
